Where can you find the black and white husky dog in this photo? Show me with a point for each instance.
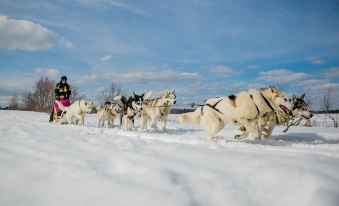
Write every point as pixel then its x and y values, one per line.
pixel 131 108
pixel 270 120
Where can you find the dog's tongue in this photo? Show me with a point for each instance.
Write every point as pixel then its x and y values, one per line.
pixel 284 108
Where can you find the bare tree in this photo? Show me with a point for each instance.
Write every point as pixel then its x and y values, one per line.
pixel 13 103
pixel 76 95
pixel 29 101
pixel 327 101
pixel 308 98
pixel 107 95
pixel 326 105
pixel 41 99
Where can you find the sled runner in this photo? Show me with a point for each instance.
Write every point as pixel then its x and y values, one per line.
pixel 55 116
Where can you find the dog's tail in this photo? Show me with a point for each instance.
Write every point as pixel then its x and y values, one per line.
pixel 191 117
pixel 118 98
pixel 62 107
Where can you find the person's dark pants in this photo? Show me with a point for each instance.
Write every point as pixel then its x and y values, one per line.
pixel 52 115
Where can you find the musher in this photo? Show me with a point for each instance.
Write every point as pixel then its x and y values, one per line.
pixel 62 94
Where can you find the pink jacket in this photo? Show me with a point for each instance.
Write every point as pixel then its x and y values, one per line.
pixel 65 102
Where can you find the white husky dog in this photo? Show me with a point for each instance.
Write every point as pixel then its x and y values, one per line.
pixel 108 112
pixel 271 119
pixel 157 109
pixel 76 111
pixel 243 108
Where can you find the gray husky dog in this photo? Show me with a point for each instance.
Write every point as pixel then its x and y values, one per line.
pixel 268 122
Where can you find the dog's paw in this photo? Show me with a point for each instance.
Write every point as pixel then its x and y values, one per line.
pixel 142 130
pixel 239 137
pixel 213 140
pixel 152 129
pixel 242 128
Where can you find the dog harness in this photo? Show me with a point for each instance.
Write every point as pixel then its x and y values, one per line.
pixel 300 103
pixel 292 123
pixel 267 102
pixel 270 106
pixel 155 101
pixel 214 106
pixel 258 112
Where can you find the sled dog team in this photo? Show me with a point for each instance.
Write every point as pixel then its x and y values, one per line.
pixel 137 106
pixel 256 111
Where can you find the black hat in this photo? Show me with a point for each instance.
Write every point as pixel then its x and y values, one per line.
pixel 64 78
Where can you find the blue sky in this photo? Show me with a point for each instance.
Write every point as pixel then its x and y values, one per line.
pixel 200 48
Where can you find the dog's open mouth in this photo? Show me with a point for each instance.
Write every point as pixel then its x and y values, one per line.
pixel 284 109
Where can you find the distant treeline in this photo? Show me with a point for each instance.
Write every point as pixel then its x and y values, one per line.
pixel 173 111
pixel 326 112
pixel 180 111
pixel 184 110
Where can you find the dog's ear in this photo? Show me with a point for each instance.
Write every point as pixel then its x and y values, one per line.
pixel 302 96
pixel 173 91
pixel 118 98
pixel 123 100
pixel 293 99
pixel 270 91
pixel 85 103
pixel 148 95
pixel 134 94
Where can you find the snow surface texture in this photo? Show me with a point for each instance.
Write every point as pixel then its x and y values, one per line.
pixel 44 164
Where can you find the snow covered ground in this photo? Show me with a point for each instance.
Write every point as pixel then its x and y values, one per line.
pixel 51 164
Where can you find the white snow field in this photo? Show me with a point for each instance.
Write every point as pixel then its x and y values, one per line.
pixel 44 164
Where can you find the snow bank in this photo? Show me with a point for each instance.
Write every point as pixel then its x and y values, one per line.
pixel 51 164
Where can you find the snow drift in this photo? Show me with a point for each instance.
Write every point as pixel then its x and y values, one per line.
pixel 51 164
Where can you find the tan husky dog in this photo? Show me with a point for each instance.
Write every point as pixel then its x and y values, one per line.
pixel 244 108
pixel 157 109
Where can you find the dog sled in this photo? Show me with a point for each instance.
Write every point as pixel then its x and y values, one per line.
pixel 57 112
